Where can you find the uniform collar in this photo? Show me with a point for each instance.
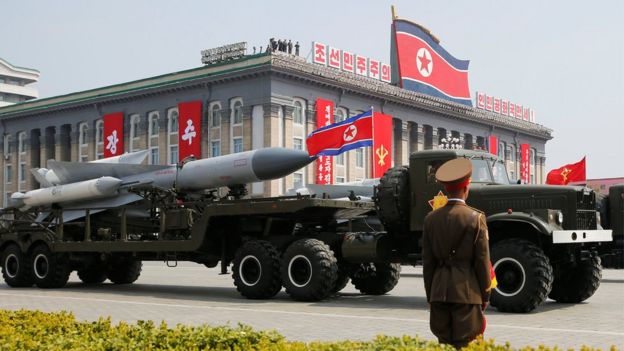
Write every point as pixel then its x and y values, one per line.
pixel 455 200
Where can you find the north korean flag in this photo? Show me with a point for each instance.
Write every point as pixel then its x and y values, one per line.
pixel 337 138
pixel 426 67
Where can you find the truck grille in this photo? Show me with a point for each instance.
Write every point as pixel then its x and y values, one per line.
pixel 585 219
pixel 585 200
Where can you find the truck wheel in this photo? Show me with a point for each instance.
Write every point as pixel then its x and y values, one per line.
pixel 256 270
pixel 92 275
pixel 376 278
pixel 576 283
pixel 309 270
pixel 125 270
pixel 523 273
pixel 342 278
pixel 392 200
pixel 16 269
pixel 50 270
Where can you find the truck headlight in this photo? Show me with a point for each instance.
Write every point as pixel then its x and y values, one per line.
pixel 560 218
pixel 598 221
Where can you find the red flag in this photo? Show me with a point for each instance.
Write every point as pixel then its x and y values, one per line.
pixel 189 129
pixel 525 171
pixel 334 139
pixel 426 67
pixel 382 144
pixel 324 164
pixel 574 172
pixel 493 145
pixel 113 134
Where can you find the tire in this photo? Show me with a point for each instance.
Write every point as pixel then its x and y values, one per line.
pixel 92 275
pixel 392 200
pixel 576 283
pixel 16 268
pixel 256 270
pixel 376 278
pixel 524 276
pixel 125 270
pixel 342 278
pixel 309 270
pixel 50 270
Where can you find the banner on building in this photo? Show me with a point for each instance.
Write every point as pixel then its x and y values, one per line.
pixel 336 138
pixel 425 66
pixel 324 164
pixel 189 129
pixel 113 134
pixel 493 145
pixel 525 169
pixel 574 172
pixel 382 144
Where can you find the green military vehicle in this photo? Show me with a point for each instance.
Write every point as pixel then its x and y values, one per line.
pixel 544 239
pixel 611 209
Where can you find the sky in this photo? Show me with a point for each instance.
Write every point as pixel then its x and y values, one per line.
pixel 562 58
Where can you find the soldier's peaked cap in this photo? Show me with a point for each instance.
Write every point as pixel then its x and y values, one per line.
pixel 455 174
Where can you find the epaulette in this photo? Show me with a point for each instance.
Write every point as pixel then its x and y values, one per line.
pixel 475 209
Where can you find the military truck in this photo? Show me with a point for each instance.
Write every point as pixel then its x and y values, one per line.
pixel 611 209
pixel 544 239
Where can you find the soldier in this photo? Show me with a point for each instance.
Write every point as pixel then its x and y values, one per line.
pixel 456 260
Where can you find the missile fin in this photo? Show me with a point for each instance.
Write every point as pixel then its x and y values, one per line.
pixel 71 172
pixel 40 178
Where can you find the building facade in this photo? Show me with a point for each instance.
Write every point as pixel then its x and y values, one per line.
pixel 15 83
pixel 262 100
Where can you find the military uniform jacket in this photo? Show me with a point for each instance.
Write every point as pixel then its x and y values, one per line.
pixel 464 278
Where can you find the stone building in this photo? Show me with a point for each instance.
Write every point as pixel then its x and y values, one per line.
pixel 16 83
pixel 256 101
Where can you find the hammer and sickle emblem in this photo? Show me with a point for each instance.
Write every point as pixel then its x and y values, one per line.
pixel 564 174
pixel 381 152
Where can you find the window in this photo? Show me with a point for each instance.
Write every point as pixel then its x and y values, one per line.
pixel 297 180
pixel 153 124
pixel 359 157
pixel 297 143
pixel 237 112
pixel 532 162
pixel 134 132
pixel 154 156
pixel 21 142
pixel 298 112
pixel 340 116
pixel 340 180
pixel 21 156
pixel 215 114
pixel 172 136
pixel 99 139
pixel 22 172
pixel 7 145
pixel 238 145
pixel 83 142
pixel 215 148
pixel 8 173
pixel 511 158
pixel 501 151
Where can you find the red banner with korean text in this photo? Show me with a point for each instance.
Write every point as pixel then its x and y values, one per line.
pixel 382 144
pixel 189 129
pixel 324 164
pixel 113 134
pixel 525 171
pixel 493 145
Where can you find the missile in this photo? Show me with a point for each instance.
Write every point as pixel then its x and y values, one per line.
pixel 47 177
pixel 241 168
pixel 79 191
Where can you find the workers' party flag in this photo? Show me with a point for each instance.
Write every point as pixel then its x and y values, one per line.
pixel 336 138
pixel 189 129
pixel 113 134
pixel 426 67
pixel 382 144
pixel 574 172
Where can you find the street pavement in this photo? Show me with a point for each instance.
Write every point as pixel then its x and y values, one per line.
pixel 193 294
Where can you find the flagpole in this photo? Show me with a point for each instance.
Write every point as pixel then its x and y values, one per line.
pixel 372 165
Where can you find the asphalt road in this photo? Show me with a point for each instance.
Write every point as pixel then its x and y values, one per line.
pixel 193 294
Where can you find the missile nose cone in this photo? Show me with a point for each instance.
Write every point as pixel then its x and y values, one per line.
pixel 277 162
pixel 107 185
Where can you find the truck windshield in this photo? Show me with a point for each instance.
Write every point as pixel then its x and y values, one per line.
pixel 481 171
pixel 500 173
